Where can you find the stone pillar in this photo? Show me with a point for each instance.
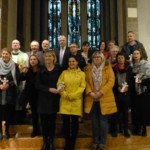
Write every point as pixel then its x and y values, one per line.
pixel 12 22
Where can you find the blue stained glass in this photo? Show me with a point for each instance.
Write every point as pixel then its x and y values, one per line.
pixel 93 14
pixel 74 22
pixel 54 22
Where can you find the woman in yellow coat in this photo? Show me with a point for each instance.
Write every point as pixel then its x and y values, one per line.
pixel 72 84
pixel 99 100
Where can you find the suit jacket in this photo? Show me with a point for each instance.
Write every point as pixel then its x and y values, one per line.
pixel 65 57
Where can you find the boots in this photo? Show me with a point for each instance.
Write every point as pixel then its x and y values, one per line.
pixel 45 145
pixel 51 144
pixel 126 132
pixel 144 131
pixel 7 135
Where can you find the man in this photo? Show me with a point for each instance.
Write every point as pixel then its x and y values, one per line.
pixel 21 59
pixel 113 53
pixel 62 52
pixel 74 52
pixel 45 45
pixel 34 46
pixel 132 45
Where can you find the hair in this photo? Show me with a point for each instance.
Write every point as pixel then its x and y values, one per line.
pixel 85 43
pixel 115 46
pixel 72 56
pixel 74 44
pixel 53 54
pixel 131 32
pixel 98 53
pixel 5 49
pixel 34 41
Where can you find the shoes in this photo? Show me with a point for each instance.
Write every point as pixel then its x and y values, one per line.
pixel 1 136
pixel 114 134
pixel 144 131
pixel 95 147
pixel 102 147
pixel 45 146
pixel 33 134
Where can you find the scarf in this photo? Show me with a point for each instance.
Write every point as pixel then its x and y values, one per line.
pixel 97 75
pixel 9 67
pixel 142 69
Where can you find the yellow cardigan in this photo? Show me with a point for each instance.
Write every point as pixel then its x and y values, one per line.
pixel 107 101
pixel 74 81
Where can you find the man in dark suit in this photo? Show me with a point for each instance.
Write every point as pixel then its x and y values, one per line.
pixel 62 52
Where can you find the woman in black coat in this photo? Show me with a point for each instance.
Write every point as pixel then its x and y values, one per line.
pixel 48 99
pixel 141 94
pixel 30 92
pixel 122 89
pixel 9 73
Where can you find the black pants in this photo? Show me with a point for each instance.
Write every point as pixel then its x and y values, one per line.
pixel 48 124
pixel 6 114
pixel 71 126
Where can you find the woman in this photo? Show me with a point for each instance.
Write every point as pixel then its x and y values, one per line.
pixel 71 100
pixel 30 92
pixel 122 88
pixel 102 48
pixel 99 100
pixel 8 81
pixel 141 103
pixel 48 99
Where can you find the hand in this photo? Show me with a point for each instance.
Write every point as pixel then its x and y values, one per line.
pixel 53 90
pixel 92 94
pixel 98 95
pixel 25 70
pixel 4 86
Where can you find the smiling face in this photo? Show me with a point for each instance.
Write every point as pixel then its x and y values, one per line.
pixel 34 46
pixel 73 64
pixel 121 60
pixel 62 41
pixel 97 59
pixel 6 56
pixel 45 45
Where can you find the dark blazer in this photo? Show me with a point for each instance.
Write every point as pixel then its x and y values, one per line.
pixel 48 102
pixel 65 58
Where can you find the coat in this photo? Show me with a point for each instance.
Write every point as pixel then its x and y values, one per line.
pixel 107 101
pixel 48 102
pixel 74 81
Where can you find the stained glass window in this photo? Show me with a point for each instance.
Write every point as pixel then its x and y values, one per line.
pixel 74 23
pixel 93 14
pixel 54 22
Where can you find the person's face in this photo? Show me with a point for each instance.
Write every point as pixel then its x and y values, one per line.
pixel 5 56
pixel 85 48
pixel 110 45
pixel 114 52
pixel 45 45
pixel 15 45
pixel 33 61
pixel 73 49
pixel 34 47
pixel 62 41
pixel 136 55
pixel 102 46
pixel 97 60
pixel 121 59
pixel 72 63
pixel 131 37
pixel 49 59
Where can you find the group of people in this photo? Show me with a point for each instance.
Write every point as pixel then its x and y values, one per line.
pixel 108 82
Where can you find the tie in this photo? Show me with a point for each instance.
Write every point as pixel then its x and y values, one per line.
pixel 61 56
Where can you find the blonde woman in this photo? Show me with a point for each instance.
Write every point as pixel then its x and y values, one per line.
pixel 99 100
